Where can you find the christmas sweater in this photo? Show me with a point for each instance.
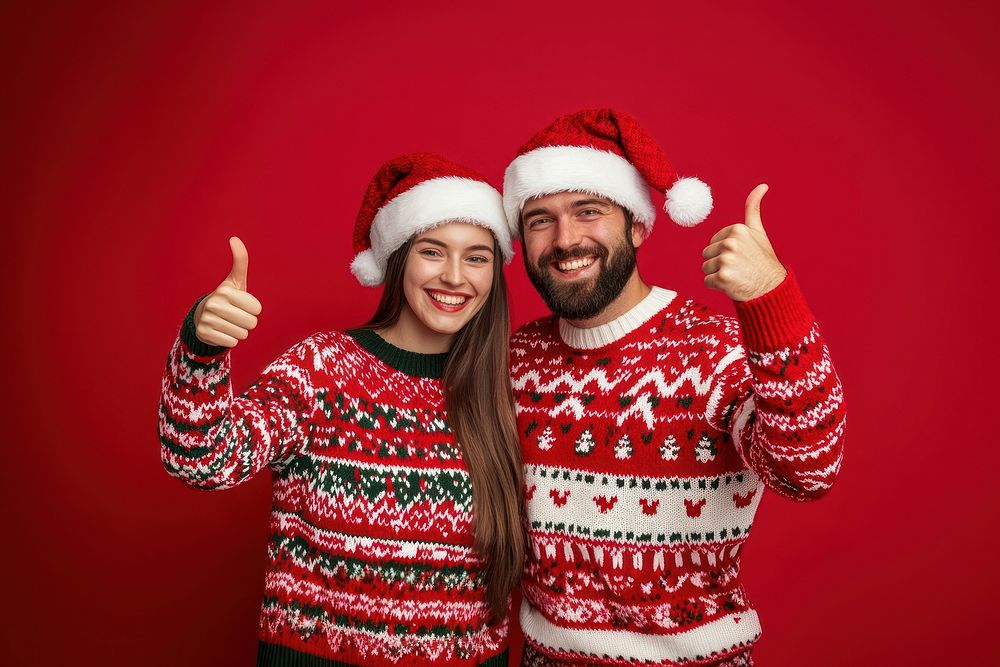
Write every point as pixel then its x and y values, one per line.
pixel 370 556
pixel 647 444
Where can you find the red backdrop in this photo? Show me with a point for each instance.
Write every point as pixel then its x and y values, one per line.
pixel 138 136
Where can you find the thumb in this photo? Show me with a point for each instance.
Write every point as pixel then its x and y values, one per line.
pixel 241 260
pixel 752 212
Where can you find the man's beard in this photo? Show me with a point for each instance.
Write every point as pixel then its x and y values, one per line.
pixel 584 299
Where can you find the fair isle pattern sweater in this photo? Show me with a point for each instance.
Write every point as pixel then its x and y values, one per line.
pixel 647 445
pixel 370 558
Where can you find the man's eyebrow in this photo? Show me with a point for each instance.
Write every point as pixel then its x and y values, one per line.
pixel 534 211
pixel 442 244
pixel 579 202
pixel 591 202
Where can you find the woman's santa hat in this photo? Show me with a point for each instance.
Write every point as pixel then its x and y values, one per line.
pixel 606 153
pixel 414 193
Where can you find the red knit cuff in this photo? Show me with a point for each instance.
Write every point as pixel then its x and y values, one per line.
pixel 777 319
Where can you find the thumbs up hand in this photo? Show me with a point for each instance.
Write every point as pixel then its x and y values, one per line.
pixel 739 260
pixel 226 316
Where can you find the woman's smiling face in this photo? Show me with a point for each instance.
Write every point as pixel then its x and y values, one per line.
pixel 446 280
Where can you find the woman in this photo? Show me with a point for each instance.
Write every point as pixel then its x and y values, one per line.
pixel 396 529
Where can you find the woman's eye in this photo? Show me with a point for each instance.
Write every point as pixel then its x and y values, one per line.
pixel 479 259
pixel 430 252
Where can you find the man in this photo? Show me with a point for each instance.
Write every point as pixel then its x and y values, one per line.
pixel 650 425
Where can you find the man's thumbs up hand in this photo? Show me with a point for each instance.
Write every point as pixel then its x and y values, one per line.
pixel 226 316
pixel 739 260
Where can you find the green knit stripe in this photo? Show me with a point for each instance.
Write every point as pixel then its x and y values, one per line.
pixel 230 437
pixel 427 576
pixel 673 537
pixel 314 613
pixel 375 416
pixel 404 361
pixel 408 486
pixel 275 655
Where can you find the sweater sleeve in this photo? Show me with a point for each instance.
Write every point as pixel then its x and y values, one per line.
pixel 780 396
pixel 210 439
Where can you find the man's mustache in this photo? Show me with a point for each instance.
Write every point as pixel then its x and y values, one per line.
pixel 559 255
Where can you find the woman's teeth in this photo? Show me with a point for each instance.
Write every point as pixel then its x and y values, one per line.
pixel 448 299
pixel 575 264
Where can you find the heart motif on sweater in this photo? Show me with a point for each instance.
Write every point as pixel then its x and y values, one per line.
pixel 693 507
pixel 604 503
pixel 742 500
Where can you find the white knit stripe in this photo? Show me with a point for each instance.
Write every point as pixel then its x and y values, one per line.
pixel 373 548
pixel 719 636
pixel 355 601
pixel 605 334
pixel 602 505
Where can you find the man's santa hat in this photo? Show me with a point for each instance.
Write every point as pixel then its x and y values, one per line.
pixel 414 193
pixel 606 153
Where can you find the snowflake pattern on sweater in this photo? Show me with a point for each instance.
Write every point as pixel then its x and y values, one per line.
pixel 646 455
pixel 370 557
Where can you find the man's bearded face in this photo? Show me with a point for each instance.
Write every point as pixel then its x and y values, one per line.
pixel 580 269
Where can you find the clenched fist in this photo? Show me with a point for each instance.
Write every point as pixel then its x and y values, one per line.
pixel 739 260
pixel 226 316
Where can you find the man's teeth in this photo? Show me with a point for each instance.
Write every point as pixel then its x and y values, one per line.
pixel 448 299
pixel 575 264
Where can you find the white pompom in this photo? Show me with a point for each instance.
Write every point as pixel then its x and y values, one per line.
pixel 366 269
pixel 689 201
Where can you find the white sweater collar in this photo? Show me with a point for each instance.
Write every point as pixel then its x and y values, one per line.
pixel 618 328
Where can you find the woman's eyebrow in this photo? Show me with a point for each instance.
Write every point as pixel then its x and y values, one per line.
pixel 442 244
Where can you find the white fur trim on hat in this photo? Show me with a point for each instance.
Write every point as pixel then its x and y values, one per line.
pixel 434 202
pixel 552 169
pixel 689 201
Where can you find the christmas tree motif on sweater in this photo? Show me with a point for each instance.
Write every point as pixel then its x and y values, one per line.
pixel 670 450
pixel 705 450
pixel 624 449
pixel 546 439
pixel 584 444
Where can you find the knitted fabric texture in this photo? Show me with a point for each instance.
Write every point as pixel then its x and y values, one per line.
pixel 645 460
pixel 370 557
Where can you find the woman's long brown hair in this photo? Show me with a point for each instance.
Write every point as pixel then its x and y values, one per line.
pixel 481 413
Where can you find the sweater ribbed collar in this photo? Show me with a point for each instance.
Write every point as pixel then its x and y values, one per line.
pixel 404 361
pixel 618 328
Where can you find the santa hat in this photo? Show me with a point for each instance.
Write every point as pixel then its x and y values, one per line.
pixel 412 194
pixel 605 153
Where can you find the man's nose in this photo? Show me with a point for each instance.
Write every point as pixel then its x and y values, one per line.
pixel 567 234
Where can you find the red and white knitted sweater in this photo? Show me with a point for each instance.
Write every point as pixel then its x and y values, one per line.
pixel 370 559
pixel 647 445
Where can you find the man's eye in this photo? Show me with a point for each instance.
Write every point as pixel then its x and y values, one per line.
pixel 537 222
pixel 590 211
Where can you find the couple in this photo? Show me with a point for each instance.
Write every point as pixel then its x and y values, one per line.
pixel 617 482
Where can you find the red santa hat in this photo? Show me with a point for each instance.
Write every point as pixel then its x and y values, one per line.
pixel 414 193
pixel 606 153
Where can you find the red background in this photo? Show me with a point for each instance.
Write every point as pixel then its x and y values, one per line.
pixel 137 137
